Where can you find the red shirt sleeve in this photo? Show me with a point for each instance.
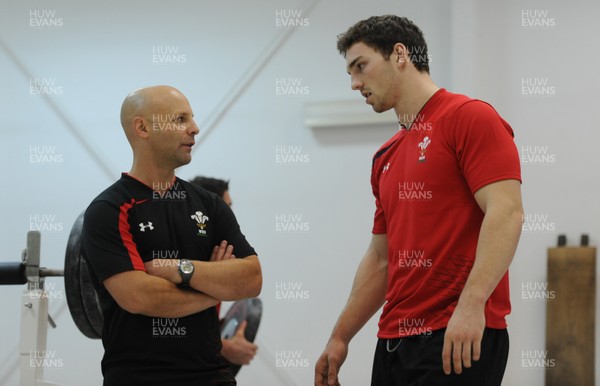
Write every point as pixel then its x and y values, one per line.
pixel 484 145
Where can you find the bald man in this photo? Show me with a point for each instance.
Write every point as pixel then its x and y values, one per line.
pixel 161 250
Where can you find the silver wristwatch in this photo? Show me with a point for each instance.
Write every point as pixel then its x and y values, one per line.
pixel 186 270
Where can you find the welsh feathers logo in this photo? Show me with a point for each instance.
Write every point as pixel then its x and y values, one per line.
pixel 423 146
pixel 201 220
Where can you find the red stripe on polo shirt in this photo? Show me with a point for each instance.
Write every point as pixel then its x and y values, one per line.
pixel 126 236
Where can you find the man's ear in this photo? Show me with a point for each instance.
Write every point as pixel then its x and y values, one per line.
pixel 140 127
pixel 400 54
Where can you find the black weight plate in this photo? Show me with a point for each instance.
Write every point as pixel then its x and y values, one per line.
pixel 89 296
pixel 249 310
pixel 81 296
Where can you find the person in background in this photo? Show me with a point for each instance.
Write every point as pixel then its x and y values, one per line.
pixel 215 185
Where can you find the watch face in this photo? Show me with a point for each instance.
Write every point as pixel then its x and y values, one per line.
pixel 187 266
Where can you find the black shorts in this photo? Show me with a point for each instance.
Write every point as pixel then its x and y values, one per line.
pixel 417 361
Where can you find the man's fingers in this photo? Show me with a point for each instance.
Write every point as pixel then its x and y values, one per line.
pixel 329 363
pixel 457 356
pixel 466 354
pixel 228 252
pixel 332 373
pixel 221 251
pixel 241 329
pixel 446 356
pixel 320 372
pixel 476 350
pixel 215 254
pixel 326 372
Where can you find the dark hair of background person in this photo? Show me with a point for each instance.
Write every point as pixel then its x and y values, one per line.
pixel 214 185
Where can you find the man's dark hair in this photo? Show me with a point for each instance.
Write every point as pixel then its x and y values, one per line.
pixel 214 185
pixel 382 32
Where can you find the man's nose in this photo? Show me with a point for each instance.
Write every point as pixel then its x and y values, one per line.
pixel 355 84
pixel 193 129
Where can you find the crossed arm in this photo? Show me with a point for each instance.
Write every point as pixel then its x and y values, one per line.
pixel 155 292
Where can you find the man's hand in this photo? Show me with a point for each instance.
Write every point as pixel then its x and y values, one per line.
pixel 222 252
pixel 462 340
pixel 238 350
pixel 328 365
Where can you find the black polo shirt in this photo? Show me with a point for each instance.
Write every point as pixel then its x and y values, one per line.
pixel 129 224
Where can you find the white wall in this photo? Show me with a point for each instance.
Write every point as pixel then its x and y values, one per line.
pixel 104 50
pixel 560 194
pixel 565 191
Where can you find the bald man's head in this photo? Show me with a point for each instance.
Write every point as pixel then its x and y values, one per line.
pixel 159 124
pixel 144 102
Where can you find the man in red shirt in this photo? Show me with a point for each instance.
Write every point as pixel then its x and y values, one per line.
pixel 447 222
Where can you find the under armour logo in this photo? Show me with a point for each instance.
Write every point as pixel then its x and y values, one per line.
pixel 386 167
pixel 147 226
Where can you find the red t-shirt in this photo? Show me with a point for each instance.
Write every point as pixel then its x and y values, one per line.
pixel 424 180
